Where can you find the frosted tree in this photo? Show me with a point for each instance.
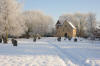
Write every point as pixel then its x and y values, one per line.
pixel 86 22
pixel 91 23
pixel 38 22
pixel 81 22
pixel 11 19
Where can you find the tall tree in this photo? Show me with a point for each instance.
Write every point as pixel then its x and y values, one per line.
pixel 91 23
pixel 38 22
pixel 11 22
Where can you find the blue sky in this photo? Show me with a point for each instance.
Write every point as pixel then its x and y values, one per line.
pixel 55 8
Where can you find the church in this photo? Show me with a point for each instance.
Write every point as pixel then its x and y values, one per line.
pixel 65 28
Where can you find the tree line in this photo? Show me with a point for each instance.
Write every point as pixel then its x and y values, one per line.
pixel 16 22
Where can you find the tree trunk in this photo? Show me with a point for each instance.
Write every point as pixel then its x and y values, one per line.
pixel 0 40
pixel 5 39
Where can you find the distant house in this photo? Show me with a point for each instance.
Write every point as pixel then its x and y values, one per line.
pixel 65 28
pixel 96 32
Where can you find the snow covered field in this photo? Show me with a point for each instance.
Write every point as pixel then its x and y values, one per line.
pixel 49 52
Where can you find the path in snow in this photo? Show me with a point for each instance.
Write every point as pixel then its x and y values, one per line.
pixel 79 52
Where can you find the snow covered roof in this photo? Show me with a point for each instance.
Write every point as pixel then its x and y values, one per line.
pixel 62 19
pixel 62 22
pixel 72 25
pixel 98 26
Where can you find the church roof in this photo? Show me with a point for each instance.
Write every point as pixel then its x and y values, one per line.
pixel 72 25
pixel 61 22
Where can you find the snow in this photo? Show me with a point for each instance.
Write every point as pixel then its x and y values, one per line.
pixel 98 26
pixel 31 60
pixel 50 52
pixel 72 25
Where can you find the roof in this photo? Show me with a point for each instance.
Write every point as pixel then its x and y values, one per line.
pixel 98 26
pixel 58 22
pixel 62 22
pixel 62 19
pixel 72 25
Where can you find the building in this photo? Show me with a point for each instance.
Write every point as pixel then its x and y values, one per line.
pixel 65 28
pixel 96 32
